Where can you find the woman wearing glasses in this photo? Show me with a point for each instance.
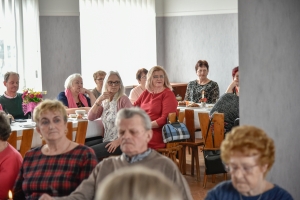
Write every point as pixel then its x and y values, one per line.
pixel 141 77
pixel 249 154
pixel 158 101
pixel 98 78
pixel 106 106
pixel 195 88
pixel 74 96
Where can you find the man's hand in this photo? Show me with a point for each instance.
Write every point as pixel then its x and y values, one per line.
pixel 113 145
pixel 46 197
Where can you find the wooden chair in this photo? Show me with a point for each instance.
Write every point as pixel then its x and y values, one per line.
pixel 212 143
pixel 80 132
pixel 173 148
pixel 26 140
pixel 191 143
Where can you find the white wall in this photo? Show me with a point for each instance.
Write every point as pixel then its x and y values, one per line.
pixel 194 7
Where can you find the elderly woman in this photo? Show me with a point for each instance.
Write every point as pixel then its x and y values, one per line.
pixel 195 88
pixel 141 77
pixel 10 159
pixel 249 154
pixel 74 96
pixel 98 78
pixel 60 165
pixel 234 85
pixel 11 100
pixel 106 106
pixel 158 101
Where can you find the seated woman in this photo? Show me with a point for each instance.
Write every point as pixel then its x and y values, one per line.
pixel 10 159
pixel 106 106
pixel 195 88
pixel 158 101
pixel 141 77
pixel 248 160
pixel 74 96
pixel 98 78
pixel 234 87
pixel 11 100
pixel 137 182
pixel 57 167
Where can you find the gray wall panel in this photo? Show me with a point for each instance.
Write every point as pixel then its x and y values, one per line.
pixel 60 51
pixel 188 39
pixel 269 54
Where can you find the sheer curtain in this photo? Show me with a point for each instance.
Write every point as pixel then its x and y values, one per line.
pixel 117 35
pixel 20 42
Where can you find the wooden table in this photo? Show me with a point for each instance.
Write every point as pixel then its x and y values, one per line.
pixel 179 88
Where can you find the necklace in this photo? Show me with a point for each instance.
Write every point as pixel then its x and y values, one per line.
pixel 257 199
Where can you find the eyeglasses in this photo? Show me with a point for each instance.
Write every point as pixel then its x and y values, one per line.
pixel 157 77
pixel 111 83
pixel 246 170
pixel 144 77
pixel 99 79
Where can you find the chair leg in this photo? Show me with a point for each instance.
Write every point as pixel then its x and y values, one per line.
pixel 189 148
pixel 213 178
pixel 197 163
pixel 183 164
pixel 204 180
pixel 192 163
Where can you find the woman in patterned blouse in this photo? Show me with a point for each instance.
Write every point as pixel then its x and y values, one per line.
pixel 57 167
pixel 195 88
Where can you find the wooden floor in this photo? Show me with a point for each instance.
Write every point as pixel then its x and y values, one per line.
pixel 196 187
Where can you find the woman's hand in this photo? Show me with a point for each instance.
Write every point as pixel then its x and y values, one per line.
pixel 231 86
pixel 45 197
pixel 112 146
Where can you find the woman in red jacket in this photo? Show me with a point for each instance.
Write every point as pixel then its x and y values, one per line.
pixel 158 101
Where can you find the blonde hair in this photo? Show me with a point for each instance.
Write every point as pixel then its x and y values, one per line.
pixel 70 79
pixel 49 105
pixel 99 73
pixel 249 141
pixel 135 183
pixel 150 78
pixel 121 91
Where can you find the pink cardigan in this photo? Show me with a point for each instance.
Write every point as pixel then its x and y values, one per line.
pixel 123 102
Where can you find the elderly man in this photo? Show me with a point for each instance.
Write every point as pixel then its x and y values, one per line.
pixel 134 128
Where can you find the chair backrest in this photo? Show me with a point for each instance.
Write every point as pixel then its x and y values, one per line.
pixel 190 124
pixel 218 124
pixel 26 140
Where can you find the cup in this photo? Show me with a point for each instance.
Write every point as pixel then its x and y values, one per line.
pixel 187 103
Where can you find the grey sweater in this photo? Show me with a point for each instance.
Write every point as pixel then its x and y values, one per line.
pixel 154 161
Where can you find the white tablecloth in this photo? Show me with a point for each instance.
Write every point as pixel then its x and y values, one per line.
pixel 95 128
pixel 196 111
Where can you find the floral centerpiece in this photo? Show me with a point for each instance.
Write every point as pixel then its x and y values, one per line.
pixel 30 100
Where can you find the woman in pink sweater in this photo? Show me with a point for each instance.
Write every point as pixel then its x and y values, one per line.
pixel 158 101
pixel 106 106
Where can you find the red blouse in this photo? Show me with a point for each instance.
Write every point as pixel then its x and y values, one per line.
pixel 157 106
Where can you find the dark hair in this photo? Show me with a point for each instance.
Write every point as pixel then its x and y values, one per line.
pixel 201 63
pixel 234 71
pixel 8 74
pixel 4 127
pixel 140 72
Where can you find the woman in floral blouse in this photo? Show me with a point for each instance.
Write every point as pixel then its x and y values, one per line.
pixel 195 88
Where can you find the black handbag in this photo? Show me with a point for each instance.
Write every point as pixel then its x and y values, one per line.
pixel 212 158
pixel 174 131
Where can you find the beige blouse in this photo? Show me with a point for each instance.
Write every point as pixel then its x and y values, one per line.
pixel 135 93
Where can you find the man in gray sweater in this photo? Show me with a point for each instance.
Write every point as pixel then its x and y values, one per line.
pixel 134 128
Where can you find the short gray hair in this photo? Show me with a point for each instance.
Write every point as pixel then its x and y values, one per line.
pixel 70 79
pixel 8 74
pixel 127 113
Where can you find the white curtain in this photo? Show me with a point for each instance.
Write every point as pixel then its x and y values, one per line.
pixel 117 35
pixel 20 42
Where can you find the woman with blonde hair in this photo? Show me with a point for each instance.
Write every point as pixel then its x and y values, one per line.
pixel 158 101
pixel 75 95
pixel 249 154
pixel 98 78
pixel 135 183
pixel 106 106
pixel 57 167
